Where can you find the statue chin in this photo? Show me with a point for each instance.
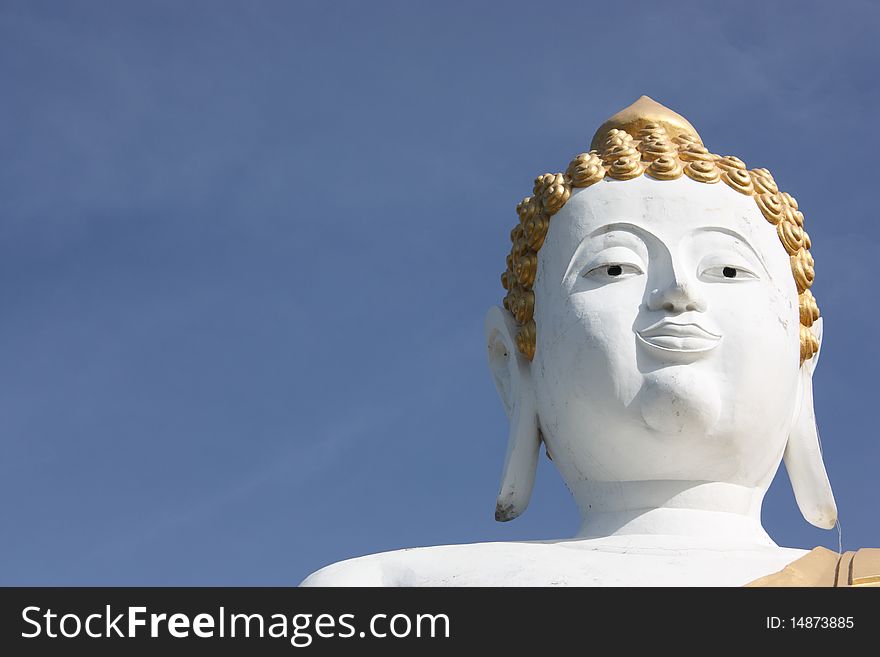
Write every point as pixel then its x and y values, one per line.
pixel 677 401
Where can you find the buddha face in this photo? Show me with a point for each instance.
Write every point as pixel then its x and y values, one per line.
pixel 667 335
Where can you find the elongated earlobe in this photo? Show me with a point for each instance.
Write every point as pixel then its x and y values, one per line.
pixel 803 453
pixel 512 375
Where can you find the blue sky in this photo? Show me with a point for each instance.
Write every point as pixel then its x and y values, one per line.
pixel 246 249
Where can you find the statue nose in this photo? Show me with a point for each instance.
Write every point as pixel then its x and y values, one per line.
pixel 677 298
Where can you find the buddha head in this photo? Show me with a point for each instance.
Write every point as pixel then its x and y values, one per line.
pixel 658 324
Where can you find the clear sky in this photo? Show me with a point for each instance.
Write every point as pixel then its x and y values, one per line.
pixel 246 249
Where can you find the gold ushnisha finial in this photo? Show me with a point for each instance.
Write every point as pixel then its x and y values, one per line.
pixel 642 113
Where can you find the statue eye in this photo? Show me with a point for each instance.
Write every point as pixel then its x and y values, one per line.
pixel 728 273
pixel 613 271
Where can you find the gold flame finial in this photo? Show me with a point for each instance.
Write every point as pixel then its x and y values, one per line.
pixel 640 114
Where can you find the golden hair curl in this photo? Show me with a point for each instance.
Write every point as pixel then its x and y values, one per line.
pixel 663 156
pixel 763 182
pixel 738 179
pixel 695 152
pixel 665 167
pixel 772 206
pixel 585 170
pixel 703 171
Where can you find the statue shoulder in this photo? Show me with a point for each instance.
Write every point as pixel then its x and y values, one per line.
pixel 826 568
pixel 361 571
pixel 473 564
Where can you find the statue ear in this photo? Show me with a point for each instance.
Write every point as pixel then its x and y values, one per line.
pixel 803 452
pixel 511 372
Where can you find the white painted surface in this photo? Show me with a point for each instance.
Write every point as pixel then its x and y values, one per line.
pixel 613 561
pixel 666 392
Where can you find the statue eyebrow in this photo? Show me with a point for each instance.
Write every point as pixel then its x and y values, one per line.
pixel 737 236
pixel 632 229
pixel 624 226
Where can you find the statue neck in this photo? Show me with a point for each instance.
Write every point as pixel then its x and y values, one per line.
pixel 688 509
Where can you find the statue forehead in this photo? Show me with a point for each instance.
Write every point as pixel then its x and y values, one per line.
pixel 667 209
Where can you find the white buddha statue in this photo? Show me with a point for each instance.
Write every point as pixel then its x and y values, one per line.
pixel 659 337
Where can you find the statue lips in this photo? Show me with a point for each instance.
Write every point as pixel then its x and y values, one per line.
pixel 679 338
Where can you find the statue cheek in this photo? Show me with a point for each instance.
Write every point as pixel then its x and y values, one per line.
pixel 590 359
pixel 765 333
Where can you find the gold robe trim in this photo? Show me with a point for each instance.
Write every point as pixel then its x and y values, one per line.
pixel 823 567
